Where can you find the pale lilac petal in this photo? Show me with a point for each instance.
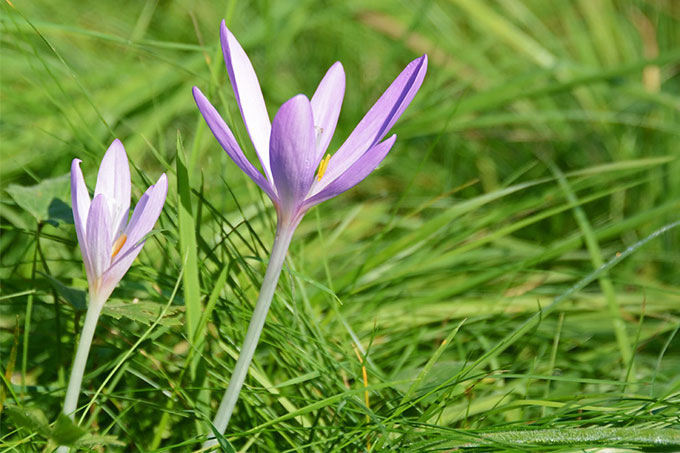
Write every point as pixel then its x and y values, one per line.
pixel 292 149
pixel 113 180
pixel 354 174
pixel 118 269
pixel 143 219
pixel 248 95
pixel 80 202
pixel 326 104
pixel 379 119
pixel 98 238
pixel 146 213
pixel 226 139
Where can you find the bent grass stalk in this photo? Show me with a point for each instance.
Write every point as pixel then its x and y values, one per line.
pixel 284 234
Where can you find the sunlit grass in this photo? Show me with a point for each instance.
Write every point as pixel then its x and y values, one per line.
pixel 543 143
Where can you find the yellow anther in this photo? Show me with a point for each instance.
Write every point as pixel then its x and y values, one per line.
pixel 120 242
pixel 322 166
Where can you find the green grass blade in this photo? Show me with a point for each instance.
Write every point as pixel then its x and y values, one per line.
pixel 187 247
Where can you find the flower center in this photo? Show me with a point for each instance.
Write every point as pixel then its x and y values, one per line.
pixel 120 242
pixel 322 167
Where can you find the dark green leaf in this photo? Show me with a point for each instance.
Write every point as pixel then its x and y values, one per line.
pixel 30 418
pixel 144 312
pixel 75 297
pixel 93 440
pixel 45 201
pixel 66 432
pixel 225 445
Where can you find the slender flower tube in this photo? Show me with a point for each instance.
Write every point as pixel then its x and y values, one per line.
pixel 108 242
pixel 291 151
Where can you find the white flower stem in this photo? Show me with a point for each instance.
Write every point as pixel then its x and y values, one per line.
pixel 284 235
pixel 78 370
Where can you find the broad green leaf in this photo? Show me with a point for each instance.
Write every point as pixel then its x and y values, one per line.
pixel 66 432
pixel 45 200
pixel 588 436
pixel 94 440
pixel 30 418
pixel 144 312
pixel 75 297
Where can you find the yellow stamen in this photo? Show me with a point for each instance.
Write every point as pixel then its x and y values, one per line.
pixel 120 242
pixel 322 166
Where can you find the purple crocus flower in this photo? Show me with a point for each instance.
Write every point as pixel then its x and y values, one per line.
pixel 297 176
pixel 108 242
pixel 292 147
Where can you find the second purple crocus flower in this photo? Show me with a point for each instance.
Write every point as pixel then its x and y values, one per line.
pixel 298 173
pixel 108 242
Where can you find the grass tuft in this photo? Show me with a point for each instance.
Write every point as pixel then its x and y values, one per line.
pixel 507 280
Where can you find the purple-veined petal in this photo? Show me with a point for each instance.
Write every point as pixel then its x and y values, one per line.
pixel 143 219
pixel 248 95
pixel 379 119
pixel 226 139
pixel 145 215
pixel 354 174
pixel 118 269
pixel 80 202
pixel 113 180
pixel 98 239
pixel 326 104
pixel 292 151
pixel 80 199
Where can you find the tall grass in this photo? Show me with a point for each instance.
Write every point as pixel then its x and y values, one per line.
pixel 454 299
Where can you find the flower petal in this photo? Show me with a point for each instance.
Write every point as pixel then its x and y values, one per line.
pixel 117 271
pixel 379 119
pixel 326 104
pixel 248 95
pixel 98 239
pixel 143 219
pixel 80 199
pixel 113 180
pixel 354 174
pixel 292 151
pixel 122 263
pixel 80 202
pixel 226 139
pixel 146 213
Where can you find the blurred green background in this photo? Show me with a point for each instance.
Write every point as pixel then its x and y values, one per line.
pixel 545 139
